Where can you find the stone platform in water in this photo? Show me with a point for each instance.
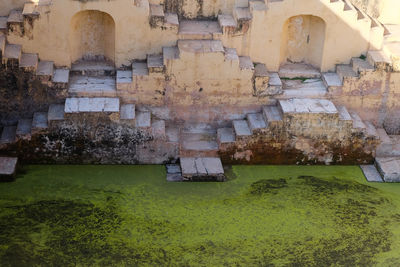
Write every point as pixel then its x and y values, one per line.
pixel 371 173
pixel 202 169
pixel 8 168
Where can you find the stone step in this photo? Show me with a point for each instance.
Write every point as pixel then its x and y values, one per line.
pixel 310 88
pixel 170 53
pixel 61 76
pixel 91 105
pixel 331 79
pixel 345 71
pixel 256 122
pixel 45 68
pixel 199 29
pixel 155 63
pixel 274 80
pixel 124 79
pixel 371 130
pixel 241 3
pixel 174 173
pixel 231 55
pixel 202 168
pixel 371 173
pixel 227 23
pixel 171 20
pixel 3 24
pixel 128 113
pixel 93 68
pixel 257 5
pixel 30 10
pixel 8 135
pixel 2 43
pixel 8 168
pixel 272 115
pixel 39 122
pixel 242 129
pixel 389 168
pixel 156 15
pixel 139 69
pixel 225 135
pixel 29 61
pixel 383 136
pixel 246 63
pixel 13 51
pixel 55 113
pixel 379 59
pixel 92 86
pixel 298 70
pixel 200 46
pixel 15 17
pixel 344 116
pixel 360 65
pixel 242 14
pixel 198 145
pixel 306 105
pixel 357 121
pixel 143 119
pixel 24 127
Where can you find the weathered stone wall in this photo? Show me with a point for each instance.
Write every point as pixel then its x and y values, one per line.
pixel 22 94
pixel 387 11
pixel 93 139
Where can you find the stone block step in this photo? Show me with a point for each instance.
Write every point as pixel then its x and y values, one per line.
pixel 242 14
pixel 331 79
pixel 256 122
pixel 241 128
pixel 241 3
pixel 29 61
pixel 379 59
pixel 225 135
pixel 246 63
pixel 155 63
pixel 8 168
pixel 171 20
pixel 344 115
pixel 227 23
pixel 157 11
pixel 275 80
pixel 172 133
pixel 260 70
pixel 383 136
pixel 310 88
pixel 128 112
pixel 45 68
pixel 56 112
pixel 39 122
pixel 272 115
pixel 61 76
pixel 15 16
pixel 170 53
pixel 8 135
pixel 30 10
pixel 389 168
pixel 24 127
pixel 198 144
pixel 13 51
pixel 231 54
pixel 371 173
pixel 357 121
pixel 345 71
pixel 124 77
pixel 2 43
pixel 311 106
pixel 371 130
pixel 201 46
pixel 143 119
pixel 202 168
pixel 88 86
pixel 361 65
pixel 93 68
pixel 257 5
pixel 3 24
pixel 298 70
pixel 91 105
pixel 139 69
pixel 174 173
pixel 199 29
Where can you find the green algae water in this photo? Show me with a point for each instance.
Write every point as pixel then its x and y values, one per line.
pixel 262 216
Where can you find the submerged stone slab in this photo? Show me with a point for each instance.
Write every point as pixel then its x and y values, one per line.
pixel 174 173
pixel 371 173
pixel 389 168
pixel 202 169
pixel 8 168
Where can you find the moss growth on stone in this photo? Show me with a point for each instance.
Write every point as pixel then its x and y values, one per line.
pixel 263 216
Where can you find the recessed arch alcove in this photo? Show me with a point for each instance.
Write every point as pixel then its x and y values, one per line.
pixel 303 39
pixel 92 36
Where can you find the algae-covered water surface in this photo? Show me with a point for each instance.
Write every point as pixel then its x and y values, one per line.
pixel 262 216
